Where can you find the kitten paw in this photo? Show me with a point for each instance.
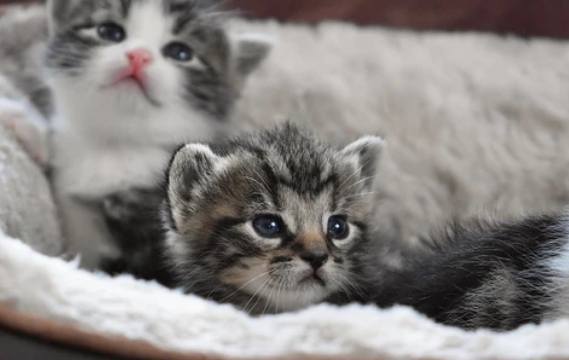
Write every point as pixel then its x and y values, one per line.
pixel 28 127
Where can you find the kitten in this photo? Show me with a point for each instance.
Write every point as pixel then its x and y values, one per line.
pixel 131 79
pixel 278 220
pixel 270 222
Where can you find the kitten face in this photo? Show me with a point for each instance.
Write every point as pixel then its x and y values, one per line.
pixel 273 222
pixel 149 53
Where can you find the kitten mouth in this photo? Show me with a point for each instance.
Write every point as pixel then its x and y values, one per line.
pixel 131 78
pixel 313 278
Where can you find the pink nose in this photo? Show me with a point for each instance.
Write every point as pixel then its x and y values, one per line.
pixel 139 58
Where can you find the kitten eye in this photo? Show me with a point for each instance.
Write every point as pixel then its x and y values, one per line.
pixel 111 32
pixel 338 228
pixel 178 51
pixel 268 226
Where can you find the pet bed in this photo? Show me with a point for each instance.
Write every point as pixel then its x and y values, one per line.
pixel 471 120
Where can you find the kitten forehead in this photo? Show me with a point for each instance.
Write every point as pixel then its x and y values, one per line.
pixel 144 13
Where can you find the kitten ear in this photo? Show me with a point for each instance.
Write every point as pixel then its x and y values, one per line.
pixel 61 11
pixel 191 166
pixel 366 153
pixel 250 51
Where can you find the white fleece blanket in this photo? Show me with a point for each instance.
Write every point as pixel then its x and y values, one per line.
pixel 136 310
pixel 470 120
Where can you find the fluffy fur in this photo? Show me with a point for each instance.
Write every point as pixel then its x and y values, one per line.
pixel 496 276
pixel 186 326
pixel 114 131
pixel 218 196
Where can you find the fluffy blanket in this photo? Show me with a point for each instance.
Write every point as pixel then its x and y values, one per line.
pixel 176 326
pixel 472 121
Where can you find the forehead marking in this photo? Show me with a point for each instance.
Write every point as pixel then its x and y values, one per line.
pixel 148 22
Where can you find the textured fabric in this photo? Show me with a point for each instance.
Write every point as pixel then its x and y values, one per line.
pixel 27 210
pixel 74 303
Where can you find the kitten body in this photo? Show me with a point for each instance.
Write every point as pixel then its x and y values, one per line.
pixel 131 80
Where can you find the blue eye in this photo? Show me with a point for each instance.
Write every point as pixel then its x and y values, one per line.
pixel 338 228
pixel 178 51
pixel 111 32
pixel 268 226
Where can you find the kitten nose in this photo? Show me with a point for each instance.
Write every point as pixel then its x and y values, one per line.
pixel 315 259
pixel 139 58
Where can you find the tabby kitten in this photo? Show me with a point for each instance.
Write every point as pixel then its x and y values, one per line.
pixel 131 80
pixel 278 220
pixel 271 222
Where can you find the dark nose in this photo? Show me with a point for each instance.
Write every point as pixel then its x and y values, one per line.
pixel 315 259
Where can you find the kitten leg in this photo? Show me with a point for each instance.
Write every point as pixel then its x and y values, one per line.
pixel 28 126
pixel 86 231
pixel 134 221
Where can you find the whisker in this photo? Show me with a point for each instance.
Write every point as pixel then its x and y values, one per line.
pixel 242 286
pixel 253 296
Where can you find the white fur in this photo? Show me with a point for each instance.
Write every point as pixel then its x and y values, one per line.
pixel 109 138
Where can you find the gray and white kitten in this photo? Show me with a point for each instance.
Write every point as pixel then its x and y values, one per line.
pixel 131 79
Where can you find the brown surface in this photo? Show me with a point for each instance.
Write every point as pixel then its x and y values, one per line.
pixel 67 335
pixel 522 17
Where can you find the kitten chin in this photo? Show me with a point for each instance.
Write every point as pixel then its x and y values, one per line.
pixel 273 221
pixel 126 94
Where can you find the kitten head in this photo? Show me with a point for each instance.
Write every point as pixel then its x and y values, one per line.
pixel 270 222
pixel 149 54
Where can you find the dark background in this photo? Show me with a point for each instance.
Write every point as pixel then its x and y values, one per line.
pixel 545 18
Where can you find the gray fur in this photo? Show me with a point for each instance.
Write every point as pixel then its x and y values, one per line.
pixel 496 276
pixel 213 193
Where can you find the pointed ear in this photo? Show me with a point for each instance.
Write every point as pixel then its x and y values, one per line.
pixel 366 153
pixel 250 52
pixel 60 12
pixel 190 168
